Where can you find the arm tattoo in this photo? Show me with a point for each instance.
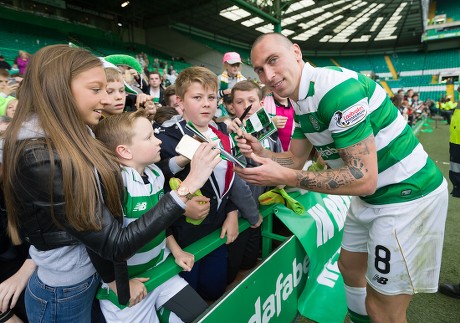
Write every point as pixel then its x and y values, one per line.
pixel 286 161
pixel 333 179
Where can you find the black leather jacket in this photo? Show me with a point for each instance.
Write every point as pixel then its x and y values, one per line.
pixel 113 242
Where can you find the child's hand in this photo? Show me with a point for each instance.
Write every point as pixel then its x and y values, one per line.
pixel 10 88
pixel 230 227
pixel 11 288
pixel 137 290
pixel 235 126
pixel 261 219
pixel 184 259
pixel 146 101
pixel 198 207
pixel 279 121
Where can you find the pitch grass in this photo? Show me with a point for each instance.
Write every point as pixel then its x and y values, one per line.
pixel 437 308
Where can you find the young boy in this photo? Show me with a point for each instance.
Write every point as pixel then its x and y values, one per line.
pixel 6 89
pixel 130 136
pixel 229 77
pixel 244 94
pixel 116 89
pixel 243 254
pixel 196 88
pixel 170 98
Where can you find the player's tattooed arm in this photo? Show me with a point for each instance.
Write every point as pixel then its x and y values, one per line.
pixel 356 159
pixel 296 156
pixel 284 161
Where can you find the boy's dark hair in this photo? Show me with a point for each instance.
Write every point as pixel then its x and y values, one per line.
pixel 4 72
pixel 164 113
pixel 247 86
pixel 169 91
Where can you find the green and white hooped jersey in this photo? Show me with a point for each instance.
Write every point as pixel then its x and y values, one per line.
pixel 338 108
pixel 139 198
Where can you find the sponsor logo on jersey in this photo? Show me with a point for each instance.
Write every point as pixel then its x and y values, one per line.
pixel 314 122
pixel 350 116
pixel 406 192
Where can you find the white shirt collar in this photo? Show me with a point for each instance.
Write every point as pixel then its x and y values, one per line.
pixel 305 80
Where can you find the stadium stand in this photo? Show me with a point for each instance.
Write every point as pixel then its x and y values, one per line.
pixel 321 61
pixel 31 37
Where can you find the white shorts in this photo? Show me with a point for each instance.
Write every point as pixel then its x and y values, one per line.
pixel 403 242
pixel 146 310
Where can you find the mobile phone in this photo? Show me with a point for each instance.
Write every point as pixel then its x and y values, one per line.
pixel 11 81
pixel 187 146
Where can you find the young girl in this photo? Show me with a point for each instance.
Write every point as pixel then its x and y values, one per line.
pixel 62 187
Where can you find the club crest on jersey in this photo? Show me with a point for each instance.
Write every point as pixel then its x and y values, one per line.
pixel 350 116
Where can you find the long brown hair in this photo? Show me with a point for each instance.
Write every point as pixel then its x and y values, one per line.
pixel 45 94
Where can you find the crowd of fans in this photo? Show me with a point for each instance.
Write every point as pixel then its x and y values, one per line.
pixel 413 109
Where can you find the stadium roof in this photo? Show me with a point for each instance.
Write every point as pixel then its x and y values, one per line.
pixel 318 26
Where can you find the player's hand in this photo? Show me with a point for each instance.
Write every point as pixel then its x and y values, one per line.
pixel 269 173
pixel 249 144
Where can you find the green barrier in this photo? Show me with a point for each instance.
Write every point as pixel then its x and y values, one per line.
pixel 288 281
pixel 274 291
pixel 167 269
pixel 320 232
pixel 269 293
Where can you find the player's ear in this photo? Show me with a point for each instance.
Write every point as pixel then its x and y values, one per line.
pixel 123 152
pixel 297 51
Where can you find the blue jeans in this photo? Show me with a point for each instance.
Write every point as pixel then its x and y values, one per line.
pixel 62 304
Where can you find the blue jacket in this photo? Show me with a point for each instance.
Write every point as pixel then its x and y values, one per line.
pixel 237 197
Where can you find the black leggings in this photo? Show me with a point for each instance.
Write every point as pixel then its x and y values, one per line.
pixel 186 304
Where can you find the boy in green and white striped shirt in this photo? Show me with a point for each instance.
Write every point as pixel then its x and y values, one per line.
pixel 131 137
